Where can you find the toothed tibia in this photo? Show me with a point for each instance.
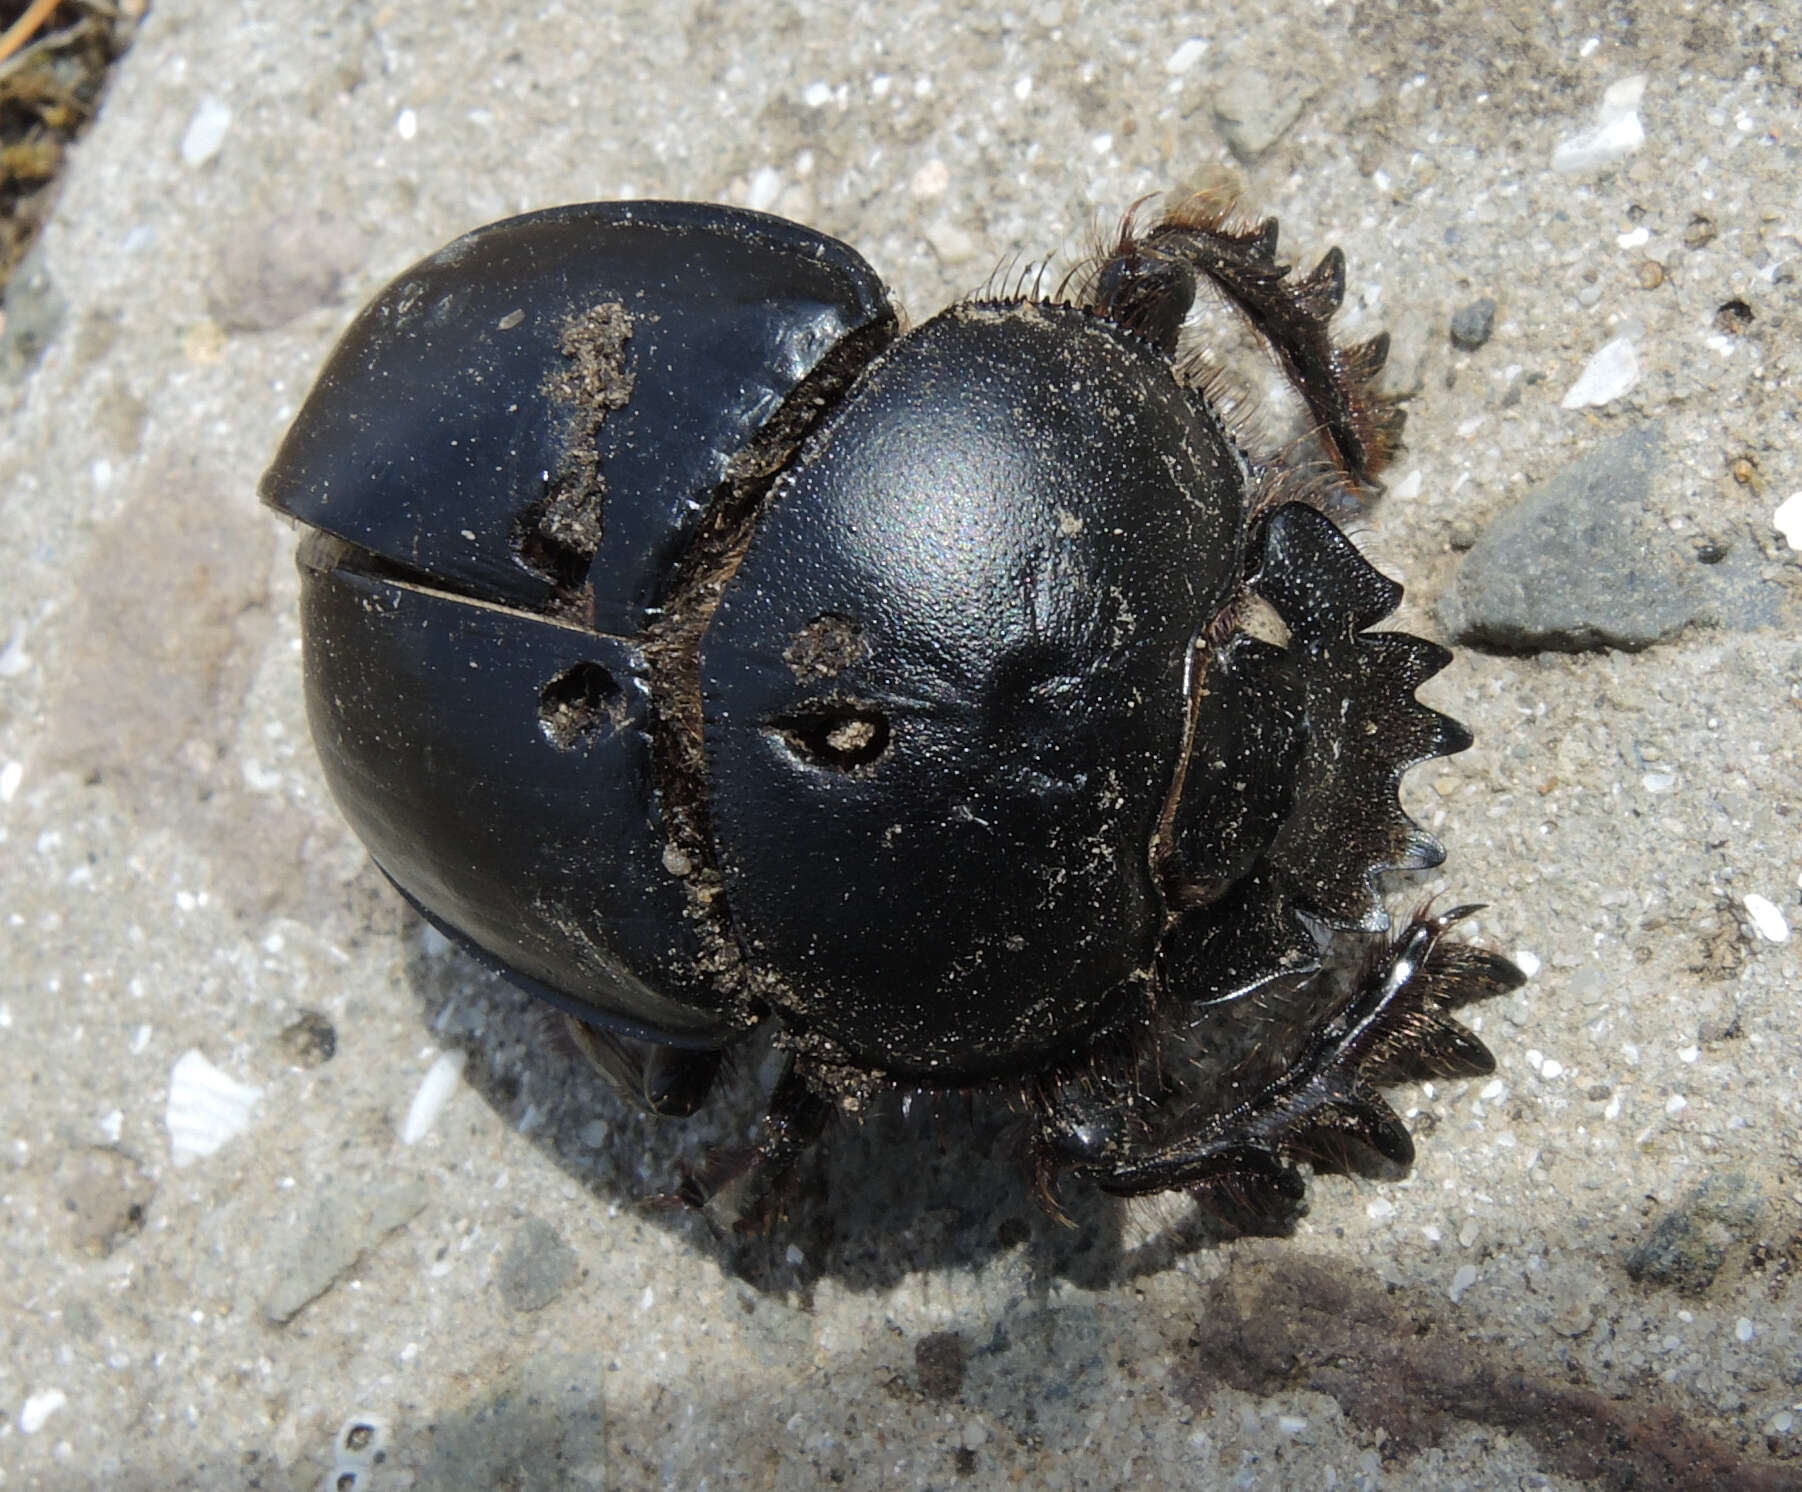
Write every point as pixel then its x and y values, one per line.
pixel 975 704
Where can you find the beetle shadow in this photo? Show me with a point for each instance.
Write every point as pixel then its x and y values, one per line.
pixel 898 1193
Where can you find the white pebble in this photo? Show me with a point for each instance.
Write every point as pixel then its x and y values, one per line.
pixel 1465 1277
pixel 10 777
pixel 1552 1069
pixel 206 1108
pixel 406 124
pixel 1766 918
pixel 1527 961
pixel 765 188
pixel 14 660
pixel 1291 1424
pixel 817 95
pixel 1742 1329
pixel 1409 486
pixel 1617 131
pixel 1688 1053
pixel 930 180
pixel 1185 56
pixel 1676 1104
pixel 1787 520
pixel 206 131
pixel 1605 377
pixel 39 1407
pixel 1634 237
pixel 434 1092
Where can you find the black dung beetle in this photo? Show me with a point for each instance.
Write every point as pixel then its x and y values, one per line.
pixel 700 648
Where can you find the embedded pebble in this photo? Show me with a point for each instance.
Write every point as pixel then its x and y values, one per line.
pixel 1609 374
pixel 950 242
pixel 206 131
pixel 763 189
pixel 14 660
pixel 1766 918
pixel 1473 325
pixel 536 1267
pixel 1462 1280
pixel 434 1092
pixel 1581 562
pixel 1787 520
pixel 344 1222
pixel 1616 132
pixel 105 1198
pixel 272 270
pixel 205 1109
pixel 1689 1243
pixel 39 1407
pixel 1185 56
pixel 1252 111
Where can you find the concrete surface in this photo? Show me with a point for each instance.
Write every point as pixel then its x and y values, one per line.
pixel 1590 1278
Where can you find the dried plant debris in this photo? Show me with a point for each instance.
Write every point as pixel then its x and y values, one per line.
pixel 54 60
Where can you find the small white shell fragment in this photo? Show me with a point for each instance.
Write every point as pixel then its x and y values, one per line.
pixel 1185 56
pixel 14 660
pixel 1787 520
pixel 1766 918
pixel 206 1108
pixel 1605 377
pixel 435 1090
pixel 1465 1277
pixel 39 1407
pixel 1617 131
pixel 206 131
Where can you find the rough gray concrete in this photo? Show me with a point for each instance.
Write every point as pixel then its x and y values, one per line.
pixel 1590 1277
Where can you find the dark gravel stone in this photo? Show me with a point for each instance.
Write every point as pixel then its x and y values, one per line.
pixel 939 1362
pixel 1688 1244
pixel 344 1222
pixel 1582 562
pixel 536 1267
pixel 1473 325
pixel 309 1039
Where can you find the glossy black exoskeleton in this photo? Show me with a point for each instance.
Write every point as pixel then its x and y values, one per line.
pixel 698 647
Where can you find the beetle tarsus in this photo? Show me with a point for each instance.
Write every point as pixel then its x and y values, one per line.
pixel 1324 1108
